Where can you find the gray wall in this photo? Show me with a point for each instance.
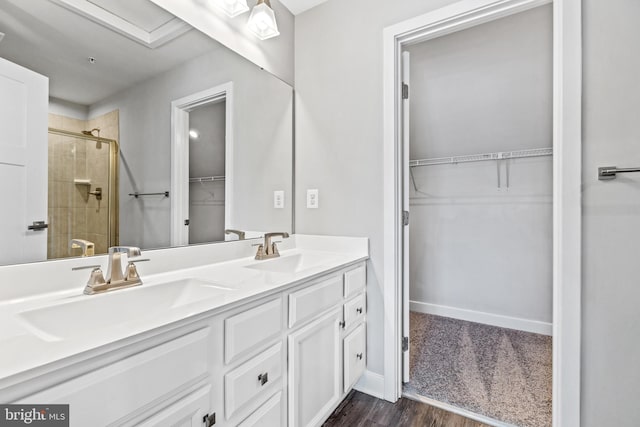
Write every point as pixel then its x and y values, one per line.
pixel 262 144
pixel 476 245
pixel 611 227
pixel 339 151
pixel 338 57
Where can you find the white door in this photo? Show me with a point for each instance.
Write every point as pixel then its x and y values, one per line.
pixel 405 204
pixel 314 370
pixel 23 163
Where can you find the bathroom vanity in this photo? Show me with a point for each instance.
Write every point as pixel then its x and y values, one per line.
pixel 233 342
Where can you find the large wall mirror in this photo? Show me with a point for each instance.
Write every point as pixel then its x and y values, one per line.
pixel 142 132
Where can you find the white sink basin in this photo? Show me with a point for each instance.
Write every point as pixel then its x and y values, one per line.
pixel 91 313
pixel 292 263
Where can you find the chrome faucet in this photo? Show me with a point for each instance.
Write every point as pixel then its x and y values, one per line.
pixel 268 249
pixel 116 278
pixel 239 233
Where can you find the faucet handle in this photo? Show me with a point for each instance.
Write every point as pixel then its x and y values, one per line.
pixel 96 282
pixel 132 273
pixel 260 254
pixel 96 277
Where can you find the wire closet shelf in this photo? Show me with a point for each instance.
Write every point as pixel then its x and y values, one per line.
pixel 207 179
pixel 500 155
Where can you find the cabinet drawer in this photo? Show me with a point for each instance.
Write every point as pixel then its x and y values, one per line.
pixel 313 300
pixel 268 415
pixel 355 358
pixel 355 281
pixel 187 412
pixel 118 390
pixel 251 328
pixel 252 379
pixel 354 310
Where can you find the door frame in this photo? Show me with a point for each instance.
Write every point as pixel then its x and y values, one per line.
pixel 567 169
pixel 180 109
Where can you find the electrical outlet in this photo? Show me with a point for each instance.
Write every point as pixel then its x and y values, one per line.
pixel 278 199
pixel 312 199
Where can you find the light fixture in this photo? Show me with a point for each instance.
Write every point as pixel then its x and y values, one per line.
pixel 193 134
pixel 262 21
pixel 232 8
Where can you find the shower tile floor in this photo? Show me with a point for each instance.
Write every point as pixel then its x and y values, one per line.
pixel 500 373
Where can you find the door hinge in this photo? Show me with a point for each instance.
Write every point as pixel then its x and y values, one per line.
pixel 405 217
pixel 405 91
pixel 209 420
pixel 405 343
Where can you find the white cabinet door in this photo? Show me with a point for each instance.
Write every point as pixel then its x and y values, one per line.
pixel 187 412
pixel 355 358
pixel 314 370
pixel 24 97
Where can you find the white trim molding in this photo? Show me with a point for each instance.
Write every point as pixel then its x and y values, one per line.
pixel 567 94
pixel 166 32
pixel 371 383
pixel 180 109
pixel 502 321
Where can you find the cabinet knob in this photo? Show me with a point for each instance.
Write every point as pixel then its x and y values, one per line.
pixel 359 356
pixel 342 324
pixel 359 310
pixel 263 378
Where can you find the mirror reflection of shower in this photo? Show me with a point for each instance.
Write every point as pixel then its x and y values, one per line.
pixel 83 199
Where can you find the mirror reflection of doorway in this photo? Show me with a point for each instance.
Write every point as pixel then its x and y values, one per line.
pixel 202 166
pixel 207 172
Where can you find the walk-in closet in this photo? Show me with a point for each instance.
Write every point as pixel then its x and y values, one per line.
pixel 480 230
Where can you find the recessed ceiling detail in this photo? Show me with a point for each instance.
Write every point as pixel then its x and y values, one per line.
pixel 145 23
pixel 298 6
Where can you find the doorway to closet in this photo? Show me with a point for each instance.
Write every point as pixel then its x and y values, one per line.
pixel 478 250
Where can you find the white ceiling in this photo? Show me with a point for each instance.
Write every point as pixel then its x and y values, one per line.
pixel 298 6
pixel 50 39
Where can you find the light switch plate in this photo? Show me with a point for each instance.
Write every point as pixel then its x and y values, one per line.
pixel 312 199
pixel 278 199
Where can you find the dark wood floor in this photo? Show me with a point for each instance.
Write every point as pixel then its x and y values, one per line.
pixel 362 410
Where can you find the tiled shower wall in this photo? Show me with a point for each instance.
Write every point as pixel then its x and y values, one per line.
pixel 73 212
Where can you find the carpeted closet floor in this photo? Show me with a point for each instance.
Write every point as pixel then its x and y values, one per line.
pixel 501 373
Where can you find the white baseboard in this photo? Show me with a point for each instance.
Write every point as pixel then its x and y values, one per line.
pixel 520 324
pixel 372 384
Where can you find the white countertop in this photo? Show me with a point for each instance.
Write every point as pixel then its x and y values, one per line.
pixel 28 347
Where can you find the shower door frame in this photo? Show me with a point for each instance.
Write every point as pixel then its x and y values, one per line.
pixel 113 194
pixel 567 169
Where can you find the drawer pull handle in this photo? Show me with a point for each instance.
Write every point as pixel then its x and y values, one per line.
pixel 209 420
pixel 263 378
pixel 359 310
pixel 342 324
pixel 359 356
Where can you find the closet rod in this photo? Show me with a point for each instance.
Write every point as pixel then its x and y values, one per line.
pixel 500 155
pixel 207 179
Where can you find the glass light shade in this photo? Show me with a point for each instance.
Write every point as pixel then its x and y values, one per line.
pixel 262 21
pixel 232 8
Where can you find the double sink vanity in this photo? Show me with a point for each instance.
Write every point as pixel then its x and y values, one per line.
pixel 212 336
